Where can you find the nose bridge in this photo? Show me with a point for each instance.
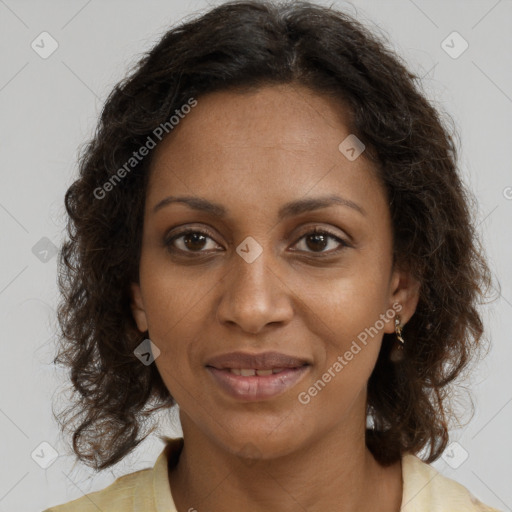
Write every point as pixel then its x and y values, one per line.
pixel 252 295
pixel 252 274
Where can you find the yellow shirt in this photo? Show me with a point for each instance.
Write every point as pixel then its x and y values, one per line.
pixel 148 490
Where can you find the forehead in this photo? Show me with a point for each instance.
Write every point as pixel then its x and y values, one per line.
pixel 278 142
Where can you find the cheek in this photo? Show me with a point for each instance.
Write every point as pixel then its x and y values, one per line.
pixel 349 347
pixel 171 295
pixel 352 299
pixel 178 309
pixel 348 317
pixel 353 313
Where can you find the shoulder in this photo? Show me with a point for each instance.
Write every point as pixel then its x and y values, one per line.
pixel 118 496
pixel 147 489
pixel 427 489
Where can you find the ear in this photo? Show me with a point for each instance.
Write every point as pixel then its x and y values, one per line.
pixel 404 294
pixel 137 307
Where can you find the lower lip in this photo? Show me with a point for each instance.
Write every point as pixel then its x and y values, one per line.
pixel 257 387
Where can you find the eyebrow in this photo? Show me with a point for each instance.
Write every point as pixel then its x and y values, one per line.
pixel 287 210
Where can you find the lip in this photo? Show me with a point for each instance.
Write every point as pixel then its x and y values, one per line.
pixel 261 361
pixel 258 387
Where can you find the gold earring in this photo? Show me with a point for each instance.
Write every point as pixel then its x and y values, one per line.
pixel 397 352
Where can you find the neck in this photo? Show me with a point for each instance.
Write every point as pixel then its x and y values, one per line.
pixel 333 472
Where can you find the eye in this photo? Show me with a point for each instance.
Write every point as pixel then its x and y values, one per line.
pixel 194 241
pixel 318 240
pixel 191 240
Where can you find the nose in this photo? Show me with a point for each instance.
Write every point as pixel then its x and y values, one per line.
pixel 254 295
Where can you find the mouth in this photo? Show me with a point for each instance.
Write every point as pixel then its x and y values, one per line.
pixel 250 372
pixel 258 362
pixel 256 377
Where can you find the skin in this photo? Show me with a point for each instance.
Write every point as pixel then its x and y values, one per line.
pixel 252 153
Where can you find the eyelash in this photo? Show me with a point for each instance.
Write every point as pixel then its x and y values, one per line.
pixel 168 242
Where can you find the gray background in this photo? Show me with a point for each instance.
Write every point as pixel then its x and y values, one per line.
pixel 50 106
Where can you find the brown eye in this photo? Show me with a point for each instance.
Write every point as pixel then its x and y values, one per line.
pixel 189 241
pixel 317 240
pixel 194 241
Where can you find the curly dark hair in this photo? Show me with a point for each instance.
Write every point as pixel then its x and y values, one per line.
pixel 242 46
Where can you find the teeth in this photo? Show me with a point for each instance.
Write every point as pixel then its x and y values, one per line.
pixel 263 372
pixel 250 372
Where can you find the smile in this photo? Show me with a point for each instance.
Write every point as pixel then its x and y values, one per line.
pixel 253 384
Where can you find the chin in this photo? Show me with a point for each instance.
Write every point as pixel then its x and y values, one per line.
pixel 263 441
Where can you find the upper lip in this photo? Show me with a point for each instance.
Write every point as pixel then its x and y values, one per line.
pixel 262 361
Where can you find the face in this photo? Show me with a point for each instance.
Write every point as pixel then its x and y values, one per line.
pixel 267 261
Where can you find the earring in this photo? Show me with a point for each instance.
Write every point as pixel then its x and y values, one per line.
pixel 370 422
pixel 397 352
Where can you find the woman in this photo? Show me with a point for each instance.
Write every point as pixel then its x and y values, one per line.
pixel 270 231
